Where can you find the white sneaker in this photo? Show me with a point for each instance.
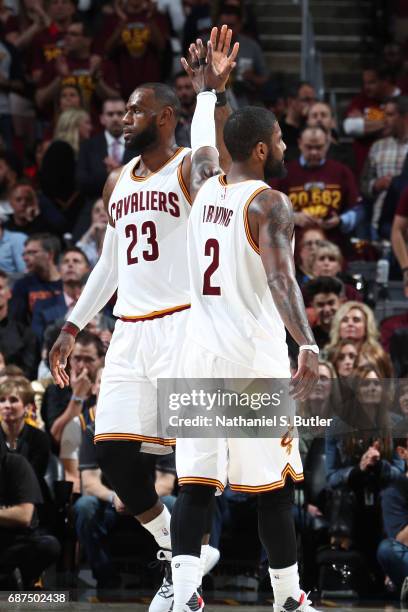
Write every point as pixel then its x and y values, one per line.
pixel 163 600
pixel 213 556
pixel 293 605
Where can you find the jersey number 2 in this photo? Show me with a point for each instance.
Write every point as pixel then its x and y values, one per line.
pixel 212 249
pixel 148 229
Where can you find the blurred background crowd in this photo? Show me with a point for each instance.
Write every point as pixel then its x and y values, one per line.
pixel 67 68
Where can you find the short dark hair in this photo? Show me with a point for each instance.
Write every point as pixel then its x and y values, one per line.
pixel 179 75
pixel 86 338
pixel 292 91
pixel 164 94
pixel 245 128
pixel 226 9
pixel 401 103
pixel 324 284
pixel 75 249
pixel 112 99
pixel 3 274
pixel 49 243
pixel 13 161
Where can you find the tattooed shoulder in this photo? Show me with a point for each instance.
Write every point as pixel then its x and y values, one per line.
pixel 276 211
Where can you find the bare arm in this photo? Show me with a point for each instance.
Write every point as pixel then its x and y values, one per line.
pixel 19 515
pixel 399 236
pixel 272 224
pixel 92 485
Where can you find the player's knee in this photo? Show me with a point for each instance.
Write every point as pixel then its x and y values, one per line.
pixel 198 494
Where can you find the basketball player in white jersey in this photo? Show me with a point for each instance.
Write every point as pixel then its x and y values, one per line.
pixel 243 294
pixel 144 258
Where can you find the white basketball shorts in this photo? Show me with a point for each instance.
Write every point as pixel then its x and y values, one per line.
pixel 140 352
pixel 250 465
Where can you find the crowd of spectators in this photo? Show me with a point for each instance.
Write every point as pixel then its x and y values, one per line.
pixel 67 68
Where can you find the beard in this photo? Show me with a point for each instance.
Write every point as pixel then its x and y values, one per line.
pixel 144 140
pixel 274 168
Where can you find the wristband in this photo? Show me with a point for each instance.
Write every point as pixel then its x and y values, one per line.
pixel 221 98
pixel 310 347
pixel 77 398
pixel 70 328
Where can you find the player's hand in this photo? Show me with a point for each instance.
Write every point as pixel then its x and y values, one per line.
pixel 58 357
pixel 81 384
pixel 306 375
pixel 205 71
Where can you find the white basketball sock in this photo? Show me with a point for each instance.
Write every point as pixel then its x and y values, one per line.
pixel 185 569
pixel 160 528
pixel 285 583
pixel 203 560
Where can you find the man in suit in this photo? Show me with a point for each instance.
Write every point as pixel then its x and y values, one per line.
pixel 74 266
pixel 104 152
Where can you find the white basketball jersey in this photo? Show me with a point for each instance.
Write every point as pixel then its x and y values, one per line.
pixel 232 311
pixel 150 216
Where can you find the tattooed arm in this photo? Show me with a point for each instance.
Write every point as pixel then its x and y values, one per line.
pixel 272 225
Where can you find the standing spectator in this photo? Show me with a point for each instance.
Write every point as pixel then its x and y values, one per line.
pixel 16 401
pixel 104 152
pixel 96 78
pixel 92 241
pixel 48 44
pixel 11 81
pixel 321 114
pixel 32 213
pixel 22 545
pixel 251 72
pixel 18 344
pixel 134 38
pixel 326 295
pixel 322 191
pixel 399 236
pixel 365 115
pixel 74 266
pixel 386 157
pixel 58 168
pixel 187 96
pixel 43 279
pixel 298 101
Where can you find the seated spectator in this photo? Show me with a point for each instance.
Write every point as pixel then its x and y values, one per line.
pixel 344 357
pixel 375 356
pixel 32 213
pixel 42 280
pixel 321 190
pixel 11 250
pixel 10 172
pixel 320 114
pixel 102 325
pixel 325 294
pixel 365 115
pixel 307 245
pixel 251 71
pixel 360 462
pixel 298 101
pixel 104 152
pixel 187 96
pixel 76 65
pixel 399 236
pixel 22 546
pixel 17 342
pixel 57 172
pixel 392 553
pixel 386 159
pixel 16 402
pixel 73 267
pixel 60 406
pixel 92 241
pixel 355 321
pixel 135 38
pixel 328 261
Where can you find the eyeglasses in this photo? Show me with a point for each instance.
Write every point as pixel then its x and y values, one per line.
pixel 310 243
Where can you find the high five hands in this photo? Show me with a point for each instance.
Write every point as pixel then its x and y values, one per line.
pixel 210 68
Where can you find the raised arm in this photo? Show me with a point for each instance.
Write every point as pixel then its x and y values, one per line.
pixel 209 70
pixel 100 286
pixel 272 225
